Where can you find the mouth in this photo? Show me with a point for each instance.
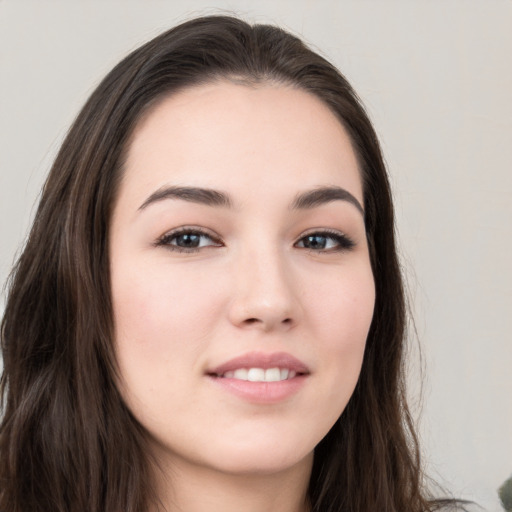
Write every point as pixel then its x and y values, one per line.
pixel 261 378
pixel 259 374
pixel 261 367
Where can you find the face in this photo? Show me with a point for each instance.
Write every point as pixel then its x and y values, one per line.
pixel 241 282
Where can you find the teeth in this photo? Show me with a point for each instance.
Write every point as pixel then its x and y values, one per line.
pixel 261 375
pixel 272 375
pixel 256 375
pixel 240 374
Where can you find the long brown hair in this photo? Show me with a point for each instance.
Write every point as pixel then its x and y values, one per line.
pixel 67 441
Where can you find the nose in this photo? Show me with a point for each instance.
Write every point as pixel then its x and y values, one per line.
pixel 264 295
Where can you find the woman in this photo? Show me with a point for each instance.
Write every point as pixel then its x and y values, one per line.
pixel 208 313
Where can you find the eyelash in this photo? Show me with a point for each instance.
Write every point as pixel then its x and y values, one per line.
pixel 165 240
pixel 344 243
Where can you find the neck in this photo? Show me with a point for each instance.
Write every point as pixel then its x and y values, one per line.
pixel 183 487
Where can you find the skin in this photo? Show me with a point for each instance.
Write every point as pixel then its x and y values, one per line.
pixel 256 285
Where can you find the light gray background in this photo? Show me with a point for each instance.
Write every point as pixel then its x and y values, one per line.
pixel 436 77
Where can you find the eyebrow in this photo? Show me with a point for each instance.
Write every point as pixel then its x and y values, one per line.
pixel 323 195
pixel 206 196
pixel 210 197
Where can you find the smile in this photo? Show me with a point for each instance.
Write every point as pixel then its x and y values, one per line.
pixel 260 367
pixel 261 378
pixel 260 374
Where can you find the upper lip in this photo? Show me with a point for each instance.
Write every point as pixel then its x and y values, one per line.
pixel 261 360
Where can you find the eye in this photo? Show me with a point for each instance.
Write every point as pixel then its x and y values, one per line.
pixel 188 240
pixel 326 241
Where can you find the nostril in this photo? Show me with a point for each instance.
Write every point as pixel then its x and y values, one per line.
pixel 267 321
pixel 251 321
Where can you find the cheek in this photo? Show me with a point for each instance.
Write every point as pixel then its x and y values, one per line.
pixel 343 306
pixel 162 324
pixel 162 320
pixel 344 315
pixel 160 308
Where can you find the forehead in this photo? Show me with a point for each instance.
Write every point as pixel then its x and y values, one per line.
pixel 227 135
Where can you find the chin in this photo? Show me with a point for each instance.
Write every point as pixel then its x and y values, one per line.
pixel 259 457
pixel 262 464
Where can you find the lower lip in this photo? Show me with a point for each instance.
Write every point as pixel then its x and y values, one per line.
pixel 261 392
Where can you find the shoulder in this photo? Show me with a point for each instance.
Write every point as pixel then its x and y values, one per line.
pixel 456 506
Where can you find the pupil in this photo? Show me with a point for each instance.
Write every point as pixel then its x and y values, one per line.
pixel 316 242
pixel 188 240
